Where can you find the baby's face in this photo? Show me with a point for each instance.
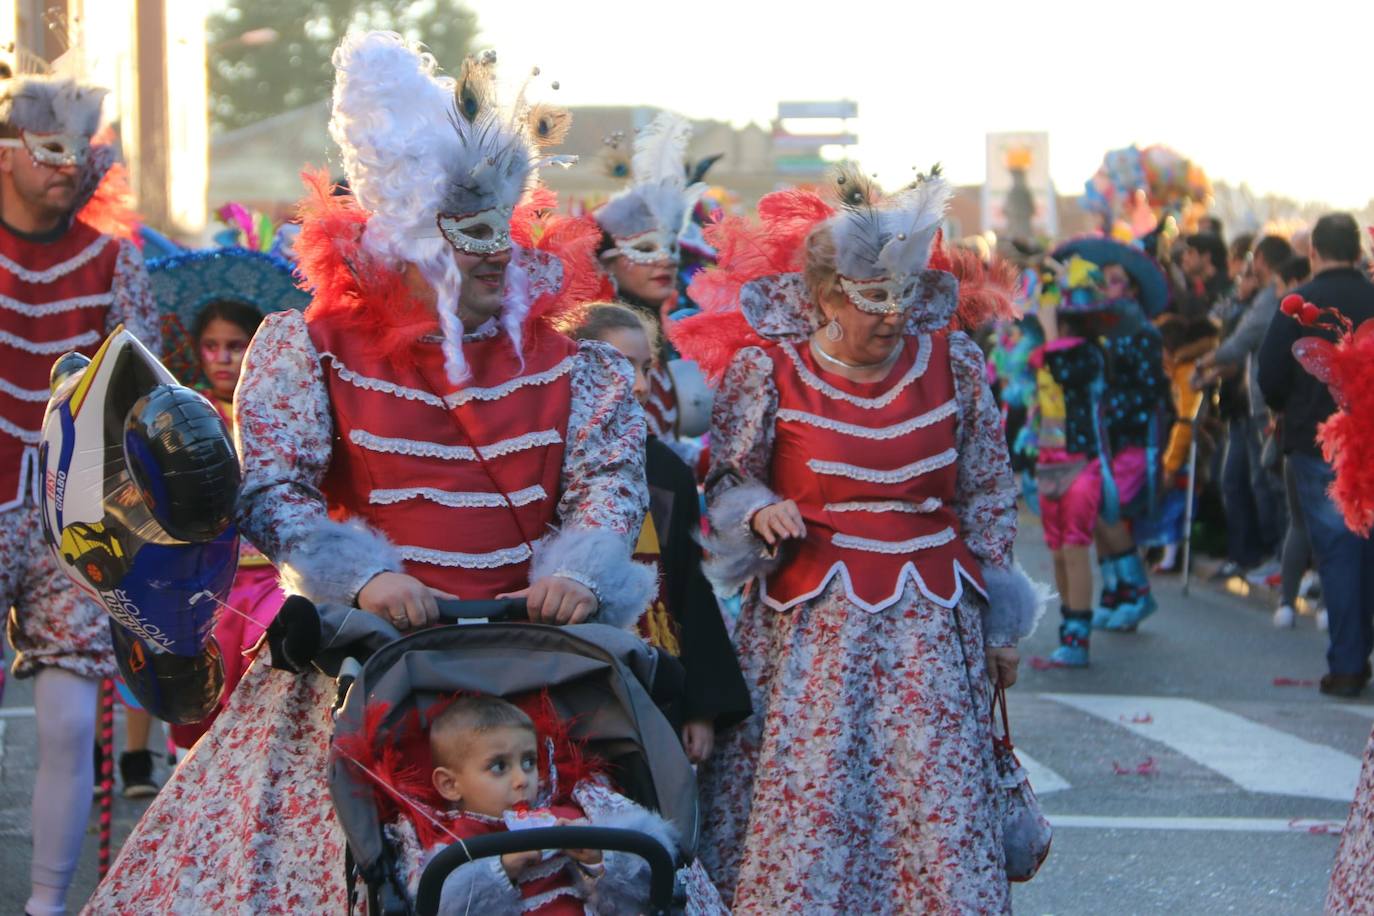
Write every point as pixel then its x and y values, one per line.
pixel 492 772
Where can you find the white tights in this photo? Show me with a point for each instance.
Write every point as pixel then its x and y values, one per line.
pixel 65 704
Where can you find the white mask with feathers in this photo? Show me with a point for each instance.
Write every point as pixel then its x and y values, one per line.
pixel 645 219
pixel 883 244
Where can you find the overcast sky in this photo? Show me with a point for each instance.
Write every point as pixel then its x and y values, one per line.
pixel 1276 96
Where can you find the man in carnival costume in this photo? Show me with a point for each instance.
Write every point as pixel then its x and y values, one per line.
pixel 64 285
pixel 420 430
pixel 641 248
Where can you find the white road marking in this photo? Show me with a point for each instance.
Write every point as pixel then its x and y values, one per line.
pixel 1042 779
pixel 17 712
pixel 1255 757
pixel 1313 826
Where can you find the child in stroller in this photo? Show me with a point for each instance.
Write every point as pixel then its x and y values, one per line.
pixel 425 834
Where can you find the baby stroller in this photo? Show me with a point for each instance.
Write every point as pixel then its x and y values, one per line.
pixel 601 681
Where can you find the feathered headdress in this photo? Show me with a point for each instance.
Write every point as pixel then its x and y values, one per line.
pixel 645 219
pixel 437 165
pixel 883 243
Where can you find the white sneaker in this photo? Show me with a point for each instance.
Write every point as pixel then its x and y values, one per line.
pixel 1322 622
pixel 1284 617
pixel 1311 584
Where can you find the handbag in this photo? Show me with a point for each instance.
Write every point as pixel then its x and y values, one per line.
pixel 1026 832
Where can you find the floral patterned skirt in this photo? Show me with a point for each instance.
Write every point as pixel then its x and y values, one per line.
pixel 245 824
pixel 1352 880
pixel 864 781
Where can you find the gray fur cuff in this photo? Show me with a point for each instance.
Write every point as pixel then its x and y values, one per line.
pixel 624 886
pixel 479 887
pixel 736 554
pixel 332 561
pixel 1015 604
pixel 600 560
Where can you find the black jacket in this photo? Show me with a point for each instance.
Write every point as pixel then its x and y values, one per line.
pixel 1288 387
pixel 715 687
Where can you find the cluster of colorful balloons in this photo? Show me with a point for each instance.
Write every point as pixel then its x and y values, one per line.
pixel 1134 189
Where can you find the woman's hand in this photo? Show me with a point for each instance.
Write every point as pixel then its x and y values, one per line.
pixel 778 522
pixel 556 600
pixel 698 739
pixel 403 601
pixel 1002 665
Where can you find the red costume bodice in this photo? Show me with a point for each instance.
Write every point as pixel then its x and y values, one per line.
pixel 462 480
pixel 660 411
pixel 873 469
pixel 54 298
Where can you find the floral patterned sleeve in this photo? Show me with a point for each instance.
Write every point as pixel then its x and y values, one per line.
pixel 284 441
pixel 604 491
pixel 737 483
pixel 985 501
pixel 985 497
pixel 603 467
pixel 133 305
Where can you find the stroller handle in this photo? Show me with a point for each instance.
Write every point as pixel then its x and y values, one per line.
pixel 455 855
pixel 452 609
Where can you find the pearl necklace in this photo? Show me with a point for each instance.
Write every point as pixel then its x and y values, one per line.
pixel 854 367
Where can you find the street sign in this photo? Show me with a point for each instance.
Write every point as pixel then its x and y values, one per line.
pixel 838 109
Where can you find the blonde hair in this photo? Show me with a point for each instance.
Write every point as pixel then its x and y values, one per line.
pixel 472 715
pixel 820 270
pixel 600 317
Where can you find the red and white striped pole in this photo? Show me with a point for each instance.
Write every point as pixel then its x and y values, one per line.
pixel 107 697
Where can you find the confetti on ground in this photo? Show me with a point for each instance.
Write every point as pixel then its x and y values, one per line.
pixel 1321 828
pixel 1293 682
pixel 1146 767
pixel 1143 718
pixel 1040 663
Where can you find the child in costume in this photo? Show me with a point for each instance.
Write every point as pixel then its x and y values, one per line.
pixel 685 619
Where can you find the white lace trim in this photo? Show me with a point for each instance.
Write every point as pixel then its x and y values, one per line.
pixel 49 347
pixel 892 505
pixel 30 310
pixel 918 369
pixel 530 904
pixel 908 573
pixel 369 383
pixel 896 475
pixel 461 397
pixel 57 270
pixel 896 430
pixel 34 395
pixel 24 436
pixel 546 869
pixel 419 448
pixel 911 545
pixel 455 399
pixel 455 499
pixel 506 556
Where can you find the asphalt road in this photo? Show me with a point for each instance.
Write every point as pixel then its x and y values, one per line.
pixel 1180 776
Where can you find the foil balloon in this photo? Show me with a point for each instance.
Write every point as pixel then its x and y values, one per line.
pixel 139 485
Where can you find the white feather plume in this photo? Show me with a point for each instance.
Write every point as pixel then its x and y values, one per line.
pixel 661 150
pixel 915 214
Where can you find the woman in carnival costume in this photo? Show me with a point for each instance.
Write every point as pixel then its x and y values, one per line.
pixel 423 429
pixel 212 303
pixel 859 480
pixel 641 249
